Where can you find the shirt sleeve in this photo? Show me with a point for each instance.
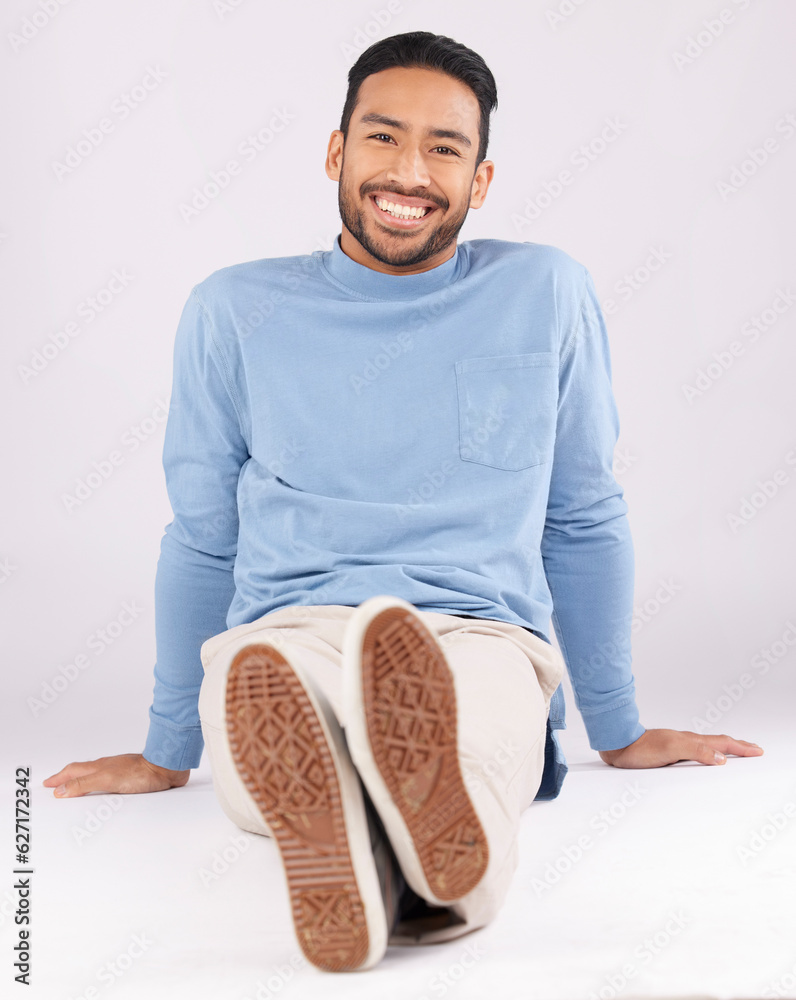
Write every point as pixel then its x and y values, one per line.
pixel 203 453
pixel 587 550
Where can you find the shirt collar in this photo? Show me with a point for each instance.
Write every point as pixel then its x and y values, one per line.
pixel 377 285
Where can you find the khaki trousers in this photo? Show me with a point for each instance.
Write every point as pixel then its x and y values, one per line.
pixel 504 677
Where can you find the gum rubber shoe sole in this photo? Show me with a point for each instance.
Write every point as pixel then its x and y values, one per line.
pixel 410 715
pixel 284 757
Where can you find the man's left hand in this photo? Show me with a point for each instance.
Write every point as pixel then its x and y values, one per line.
pixel 659 747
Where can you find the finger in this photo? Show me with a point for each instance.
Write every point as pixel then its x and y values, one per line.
pixel 68 788
pixel 75 769
pixel 81 784
pixel 706 751
pixel 740 748
pixel 55 779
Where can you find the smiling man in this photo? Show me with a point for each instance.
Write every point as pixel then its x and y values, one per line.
pixel 389 464
pixel 418 231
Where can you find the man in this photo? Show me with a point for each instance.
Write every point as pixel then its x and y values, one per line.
pixel 388 464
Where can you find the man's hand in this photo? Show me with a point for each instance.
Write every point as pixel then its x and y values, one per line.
pixel 658 747
pixel 125 773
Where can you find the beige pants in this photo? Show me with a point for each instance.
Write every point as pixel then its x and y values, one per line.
pixel 504 677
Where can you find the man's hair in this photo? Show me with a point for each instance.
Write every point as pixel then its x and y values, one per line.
pixel 427 50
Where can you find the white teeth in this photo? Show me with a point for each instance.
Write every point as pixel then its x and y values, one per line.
pixel 401 211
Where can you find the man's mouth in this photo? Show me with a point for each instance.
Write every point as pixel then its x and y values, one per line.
pixel 405 216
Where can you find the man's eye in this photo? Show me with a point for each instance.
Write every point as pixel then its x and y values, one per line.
pixel 383 135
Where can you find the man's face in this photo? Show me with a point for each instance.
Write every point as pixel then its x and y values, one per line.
pixel 393 155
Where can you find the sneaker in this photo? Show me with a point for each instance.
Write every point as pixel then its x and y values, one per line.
pixel 400 724
pixel 291 755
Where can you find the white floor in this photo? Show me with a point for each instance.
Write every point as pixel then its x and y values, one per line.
pixel 161 896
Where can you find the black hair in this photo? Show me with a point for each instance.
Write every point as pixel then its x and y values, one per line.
pixel 430 51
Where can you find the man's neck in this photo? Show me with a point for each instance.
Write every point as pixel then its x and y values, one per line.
pixel 352 248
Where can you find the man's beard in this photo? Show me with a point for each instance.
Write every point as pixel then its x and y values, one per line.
pixel 387 248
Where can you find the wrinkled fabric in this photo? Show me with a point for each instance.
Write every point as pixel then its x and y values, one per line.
pixel 447 437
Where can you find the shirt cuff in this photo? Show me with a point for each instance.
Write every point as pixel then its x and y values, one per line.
pixel 614 729
pixel 177 748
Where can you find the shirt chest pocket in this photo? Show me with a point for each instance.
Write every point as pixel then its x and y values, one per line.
pixel 507 409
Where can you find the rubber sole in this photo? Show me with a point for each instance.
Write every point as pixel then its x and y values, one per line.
pixel 284 758
pixel 410 716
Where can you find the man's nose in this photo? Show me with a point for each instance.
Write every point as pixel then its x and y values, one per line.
pixel 409 168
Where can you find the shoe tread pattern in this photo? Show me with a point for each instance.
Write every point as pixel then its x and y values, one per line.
pixel 283 758
pixel 410 710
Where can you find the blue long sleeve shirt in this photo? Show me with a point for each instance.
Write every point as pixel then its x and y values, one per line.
pixel 447 437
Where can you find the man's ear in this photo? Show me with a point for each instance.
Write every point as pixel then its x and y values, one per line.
pixel 334 155
pixel 481 181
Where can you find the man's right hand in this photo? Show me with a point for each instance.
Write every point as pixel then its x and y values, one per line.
pixel 125 773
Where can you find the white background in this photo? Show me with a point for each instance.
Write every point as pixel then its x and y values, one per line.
pixel 686 464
